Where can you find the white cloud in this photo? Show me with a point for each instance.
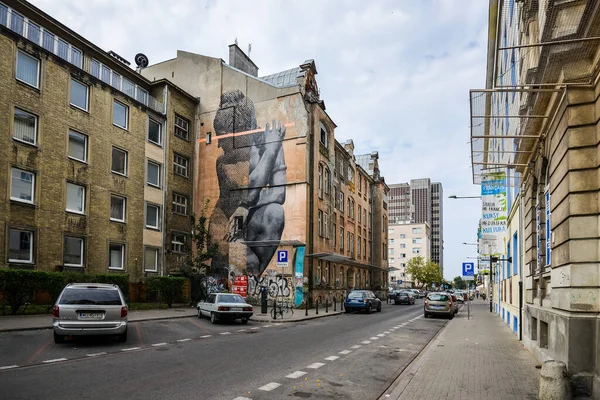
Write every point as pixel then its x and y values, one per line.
pixel 394 75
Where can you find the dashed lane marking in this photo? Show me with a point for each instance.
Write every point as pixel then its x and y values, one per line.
pixel 366 342
pixel 225 333
pixel 131 348
pixel 374 338
pixel 54 360
pixel 387 332
pixel 331 358
pixel 296 374
pixel 381 335
pixel 268 326
pixel 315 365
pixel 102 353
pixel 9 367
pixel 184 340
pixel 205 336
pixel 269 386
pixel 256 327
pixel 159 344
pixel 344 352
pixel 242 398
pixel 241 330
pixel 356 346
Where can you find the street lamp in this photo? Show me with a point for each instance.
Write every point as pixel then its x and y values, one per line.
pixel 464 197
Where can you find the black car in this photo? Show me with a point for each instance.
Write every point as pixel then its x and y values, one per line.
pixel 362 300
pixel 404 297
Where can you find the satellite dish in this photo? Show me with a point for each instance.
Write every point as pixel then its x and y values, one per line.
pixel 141 60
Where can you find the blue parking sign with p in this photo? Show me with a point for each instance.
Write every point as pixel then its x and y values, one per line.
pixel 468 269
pixel 282 256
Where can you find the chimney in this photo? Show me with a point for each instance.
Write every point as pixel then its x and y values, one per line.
pixel 238 59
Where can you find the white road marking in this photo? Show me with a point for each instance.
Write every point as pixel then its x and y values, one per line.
pixel 159 344
pixel 315 365
pixel 381 335
pixel 96 354
pixel 225 333
pixel 55 360
pixel 387 332
pixel 345 352
pixel 9 367
pixel 205 336
pixel 131 348
pixel 269 386
pixel 356 346
pixel 374 338
pixel 366 342
pixel 242 398
pixel 184 340
pixel 256 327
pixel 331 358
pixel 296 374
pixel 268 326
pixel 241 330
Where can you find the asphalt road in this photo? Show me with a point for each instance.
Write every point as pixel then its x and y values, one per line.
pixel 350 356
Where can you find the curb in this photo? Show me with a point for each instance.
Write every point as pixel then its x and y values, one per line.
pixel 270 321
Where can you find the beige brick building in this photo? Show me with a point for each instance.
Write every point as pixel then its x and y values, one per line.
pixel 407 241
pixel 87 149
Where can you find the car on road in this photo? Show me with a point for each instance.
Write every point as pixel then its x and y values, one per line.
pixel 225 306
pixel 90 309
pixel 416 293
pixel 404 297
pixel 362 300
pixel 439 303
pixel 392 294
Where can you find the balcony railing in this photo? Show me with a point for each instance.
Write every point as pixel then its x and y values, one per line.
pixel 61 48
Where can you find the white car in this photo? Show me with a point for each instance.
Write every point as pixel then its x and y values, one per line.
pixel 225 306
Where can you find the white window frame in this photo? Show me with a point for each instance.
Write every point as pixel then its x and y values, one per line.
pixel 177 204
pixel 327 180
pixel 177 166
pixel 326 224
pixel 82 200
pixel 126 161
pixel 148 173
pixel 160 134
pixel 156 259
pixel 37 85
pixel 81 251
pixel 157 207
pixel 87 95
pixel 85 148
pixel 181 128
pixel 124 208
pixel 32 201
pixel 122 256
pixel 175 242
pixel 320 181
pixel 126 127
pixel 35 128
pixel 320 222
pixel 32 244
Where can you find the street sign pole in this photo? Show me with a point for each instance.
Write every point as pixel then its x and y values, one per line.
pixel 468 272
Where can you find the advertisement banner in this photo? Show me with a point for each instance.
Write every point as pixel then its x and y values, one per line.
pixel 298 274
pixel 240 285
pixel 493 214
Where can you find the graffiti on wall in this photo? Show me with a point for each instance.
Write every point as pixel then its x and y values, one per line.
pixel 251 173
pixel 276 286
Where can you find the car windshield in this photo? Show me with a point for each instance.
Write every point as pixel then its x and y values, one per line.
pixel 94 296
pixel 231 298
pixel 356 295
pixel 437 297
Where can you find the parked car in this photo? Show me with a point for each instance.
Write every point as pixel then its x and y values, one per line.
pixel 439 303
pixel 416 293
pixel 225 306
pixel 404 297
pixel 362 300
pixel 459 296
pixel 454 302
pixel 392 294
pixel 90 309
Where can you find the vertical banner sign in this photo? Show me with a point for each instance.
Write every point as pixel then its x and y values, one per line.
pixel 240 285
pixel 494 211
pixel 299 274
pixel 538 234
pixel 548 228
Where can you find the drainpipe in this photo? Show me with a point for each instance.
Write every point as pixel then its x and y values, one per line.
pixel 311 200
pixel 521 261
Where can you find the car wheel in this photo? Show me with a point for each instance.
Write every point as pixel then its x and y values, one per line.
pixel 58 338
pixel 244 321
pixel 199 314
pixel 369 309
pixel 379 308
pixel 451 315
pixel 425 315
pixel 396 302
pixel 213 318
pixel 123 336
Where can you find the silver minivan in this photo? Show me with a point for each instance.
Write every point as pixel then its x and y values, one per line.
pixel 90 309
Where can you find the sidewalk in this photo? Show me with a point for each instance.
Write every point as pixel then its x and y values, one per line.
pixel 479 358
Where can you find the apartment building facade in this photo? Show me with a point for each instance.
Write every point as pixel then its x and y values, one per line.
pixel 406 241
pixel 85 147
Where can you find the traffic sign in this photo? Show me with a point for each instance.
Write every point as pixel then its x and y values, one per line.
pixel 468 271
pixel 399 281
pixel 282 258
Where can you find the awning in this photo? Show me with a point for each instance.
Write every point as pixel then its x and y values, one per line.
pixel 344 260
pixel 271 243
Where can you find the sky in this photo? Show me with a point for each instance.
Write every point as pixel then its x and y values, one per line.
pixel 395 75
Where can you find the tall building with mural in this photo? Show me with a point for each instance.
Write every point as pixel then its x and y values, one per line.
pixel 274 178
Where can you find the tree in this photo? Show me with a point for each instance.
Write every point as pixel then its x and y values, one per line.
pixel 459 283
pixel 424 272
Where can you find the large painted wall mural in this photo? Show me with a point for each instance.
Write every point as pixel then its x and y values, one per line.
pixel 248 218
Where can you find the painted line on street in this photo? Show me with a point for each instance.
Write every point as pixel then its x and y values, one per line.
pixel 184 340
pixel 344 352
pixel 256 327
pixel 331 358
pixel 387 332
pixel 131 348
pixel 366 342
pixel 381 335
pixel 268 326
pixel 296 374
pixel 159 344
pixel 102 353
pixel 9 367
pixel 241 330
pixel 356 346
pixel 315 365
pixel 242 398
pixel 374 338
pixel 225 333
pixel 205 336
pixel 269 386
pixel 54 360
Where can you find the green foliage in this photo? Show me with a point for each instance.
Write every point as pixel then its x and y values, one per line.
pixel 424 273
pixel 168 287
pixel 459 283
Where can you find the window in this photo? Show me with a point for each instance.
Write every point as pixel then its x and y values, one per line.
pixel 182 128
pixel 324 137
pixel 180 165
pixel 105 76
pixel 22 186
pixel 334 235
pixel 28 69
pixel 402 236
pixel 48 41
pixel 116 257
pixel 20 246
pixel 320 187
pixel 391 241
pixel 3 15
pixel 154 132
pixel 341 201
pixel 417 240
pixel 153 174
pixel 117 208
pixel 402 245
pixel 151 259
pixel 180 204
pixel 391 251
pixel 75 198
pixel 327 180
pixel 342 238
pixel 178 243
pixel 120 114
pixel 326 225
pixel 365 217
pixel 359 214
pixel 116 80
pixel 73 252
pixel 349 208
pixel 152 216
pixel 63 49
pixel 358 248
pixel 416 250
pixel 78 146
pixel 119 161
pixel 320 215
pixel 25 126
pixel 416 230
pixel 402 255
pixel 17 22
pixel 79 95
